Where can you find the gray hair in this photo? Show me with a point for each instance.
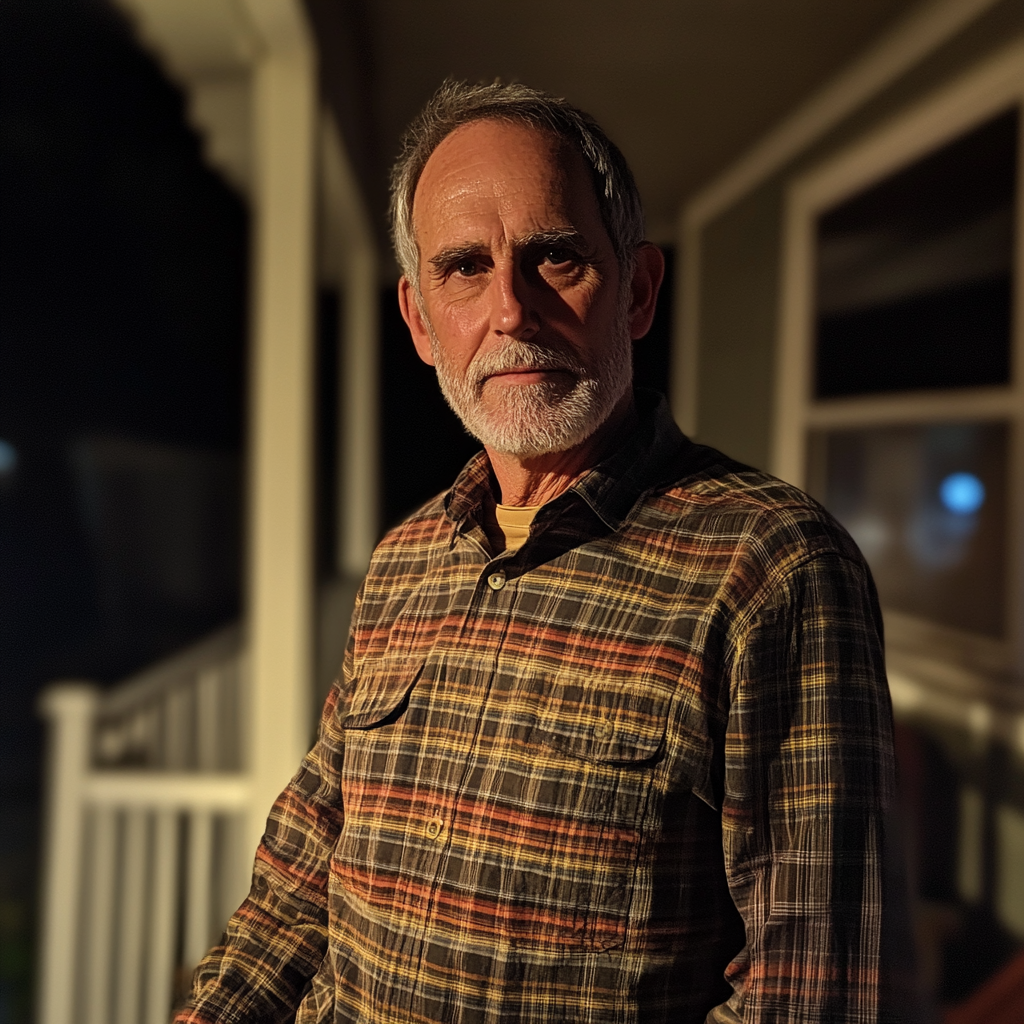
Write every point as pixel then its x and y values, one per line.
pixel 459 103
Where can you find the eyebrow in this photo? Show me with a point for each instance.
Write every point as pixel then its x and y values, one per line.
pixel 533 240
pixel 553 237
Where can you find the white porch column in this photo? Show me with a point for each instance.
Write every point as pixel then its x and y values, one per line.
pixel 280 564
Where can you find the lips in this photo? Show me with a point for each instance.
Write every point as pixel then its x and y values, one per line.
pixel 520 359
pixel 519 371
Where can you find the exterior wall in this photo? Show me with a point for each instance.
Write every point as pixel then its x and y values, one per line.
pixel 741 249
pixel 739 296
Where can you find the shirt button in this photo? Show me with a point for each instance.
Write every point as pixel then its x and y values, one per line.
pixel 496 580
pixel 435 827
pixel 603 729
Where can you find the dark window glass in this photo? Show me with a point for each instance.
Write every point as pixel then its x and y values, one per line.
pixel 913 274
pixel 927 506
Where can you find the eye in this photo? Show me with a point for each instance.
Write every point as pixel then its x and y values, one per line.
pixel 466 268
pixel 557 256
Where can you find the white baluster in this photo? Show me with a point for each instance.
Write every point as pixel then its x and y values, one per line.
pixel 101 897
pixel 208 719
pixel 160 972
pixel 234 867
pixel 138 733
pixel 132 917
pixel 233 709
pixel 176 729
pixel 70 709
pixel 199 887
pixel 153 740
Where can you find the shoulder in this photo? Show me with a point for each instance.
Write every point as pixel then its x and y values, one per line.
pixel 430 526
pixel 414 538
pixel 748 526
pixel 728 501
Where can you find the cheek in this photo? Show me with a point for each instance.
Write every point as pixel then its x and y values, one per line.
pixel 465 320
pixel 461 330
pixel 585 305
pixel 585 321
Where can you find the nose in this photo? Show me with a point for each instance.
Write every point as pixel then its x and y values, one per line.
pixel 513 313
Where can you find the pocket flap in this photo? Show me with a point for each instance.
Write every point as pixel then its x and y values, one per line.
pixel 380 693
pixel 615 720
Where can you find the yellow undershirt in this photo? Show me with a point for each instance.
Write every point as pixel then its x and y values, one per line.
pixel 508 526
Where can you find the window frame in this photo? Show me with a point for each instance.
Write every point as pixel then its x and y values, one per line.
pixel 988 90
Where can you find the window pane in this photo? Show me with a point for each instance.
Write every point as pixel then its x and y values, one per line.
pixel 913 274
pixel 927 505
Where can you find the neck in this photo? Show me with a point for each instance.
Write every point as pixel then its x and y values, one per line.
pixel 542 478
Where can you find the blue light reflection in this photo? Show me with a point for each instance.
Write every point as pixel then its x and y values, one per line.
pixel 8 458
pixel 962 493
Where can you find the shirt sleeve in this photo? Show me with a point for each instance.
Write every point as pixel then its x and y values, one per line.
pixel 277 939
pixel 808 789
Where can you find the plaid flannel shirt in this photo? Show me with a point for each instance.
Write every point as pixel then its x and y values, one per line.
pixel 634 772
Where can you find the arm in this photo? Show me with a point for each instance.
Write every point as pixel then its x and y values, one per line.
pixel 809 783
pixel 277 938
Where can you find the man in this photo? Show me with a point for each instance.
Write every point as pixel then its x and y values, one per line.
pixel 612 739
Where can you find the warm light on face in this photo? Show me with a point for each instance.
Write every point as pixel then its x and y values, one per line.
pixel 536 419
pixel 520 299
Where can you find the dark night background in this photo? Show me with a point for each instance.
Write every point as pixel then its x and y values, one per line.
pixel 122 392
pixel 122 297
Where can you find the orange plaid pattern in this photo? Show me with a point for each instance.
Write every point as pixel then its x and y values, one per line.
pixel 634 772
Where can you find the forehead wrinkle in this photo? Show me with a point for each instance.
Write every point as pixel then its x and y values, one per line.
pixel 452 189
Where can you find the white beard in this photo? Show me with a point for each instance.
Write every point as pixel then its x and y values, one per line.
pixel 526 420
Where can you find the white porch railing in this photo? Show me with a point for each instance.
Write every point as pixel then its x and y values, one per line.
pixel 144 851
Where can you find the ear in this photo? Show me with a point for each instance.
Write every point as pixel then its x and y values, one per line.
pixel 648 272
pixel 413 317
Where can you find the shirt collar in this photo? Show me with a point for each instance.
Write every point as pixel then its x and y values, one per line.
pixel 612 487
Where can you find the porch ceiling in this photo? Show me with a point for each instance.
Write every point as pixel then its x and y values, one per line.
pixel 683 86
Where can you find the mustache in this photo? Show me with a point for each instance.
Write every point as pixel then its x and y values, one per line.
pixel 521 355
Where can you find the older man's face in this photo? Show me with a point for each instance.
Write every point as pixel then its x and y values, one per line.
pixel 521 310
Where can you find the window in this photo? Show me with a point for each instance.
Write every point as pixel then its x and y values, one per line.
pixel 900 406
pixel 926 504
pixel 900 398
pixel 913 273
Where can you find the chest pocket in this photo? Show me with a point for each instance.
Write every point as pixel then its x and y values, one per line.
pixel 381 694
pixel 614 720
pixel 378 783
pixel 579 810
